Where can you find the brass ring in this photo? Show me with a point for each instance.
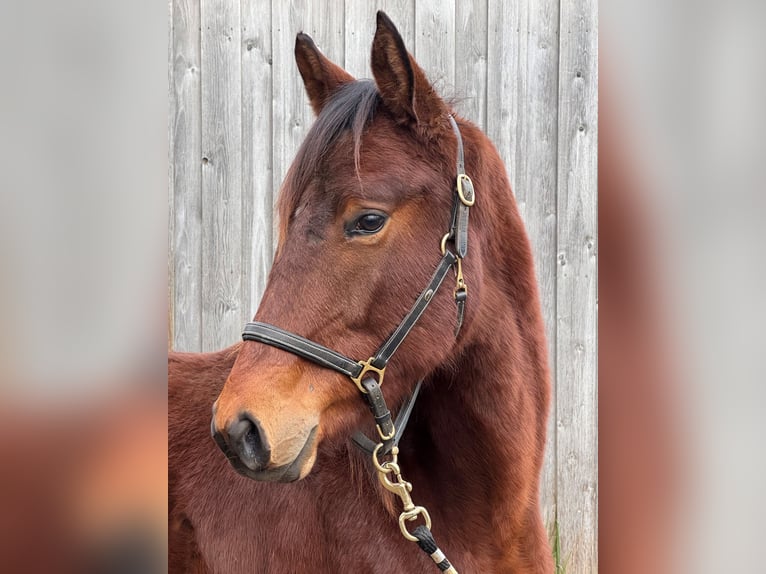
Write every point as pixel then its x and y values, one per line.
pixel 388 466
pixel 444 243
pixel 412 515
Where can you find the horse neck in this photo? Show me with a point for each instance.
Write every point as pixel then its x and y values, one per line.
pixel 478 419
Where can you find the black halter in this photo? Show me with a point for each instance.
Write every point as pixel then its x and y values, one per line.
pixel 368 375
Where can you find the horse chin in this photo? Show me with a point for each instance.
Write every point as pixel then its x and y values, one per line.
pixel 299 468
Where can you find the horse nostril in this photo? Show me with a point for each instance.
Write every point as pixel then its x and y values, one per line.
pixel 248 440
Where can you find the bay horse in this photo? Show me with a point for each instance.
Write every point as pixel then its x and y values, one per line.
pixel 363 212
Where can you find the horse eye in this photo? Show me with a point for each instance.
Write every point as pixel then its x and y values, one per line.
pixel 369 223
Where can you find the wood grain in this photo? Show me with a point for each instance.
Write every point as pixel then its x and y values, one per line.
pixel 257 158
pixel 576 287
pixel 471 61
pixel 222 297
pixel 434 42
pixel 185 224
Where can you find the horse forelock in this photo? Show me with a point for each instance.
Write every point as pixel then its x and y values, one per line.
pixel 351 107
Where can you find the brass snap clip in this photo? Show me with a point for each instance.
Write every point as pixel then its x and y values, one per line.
pixel 460 285
pixel 400 488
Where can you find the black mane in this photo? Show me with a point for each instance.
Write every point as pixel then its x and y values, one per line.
pixel 351 107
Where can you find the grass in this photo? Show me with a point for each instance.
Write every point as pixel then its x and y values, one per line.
pixel 559 561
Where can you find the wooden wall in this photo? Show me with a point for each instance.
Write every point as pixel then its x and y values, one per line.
pixel 525 71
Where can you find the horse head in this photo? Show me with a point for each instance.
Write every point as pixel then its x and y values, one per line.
pixel 362 212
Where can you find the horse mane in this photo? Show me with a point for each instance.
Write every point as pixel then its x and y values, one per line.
pixel 351 107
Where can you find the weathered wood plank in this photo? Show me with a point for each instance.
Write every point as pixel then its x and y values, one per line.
pixel 576 286
pixel 435 41
pixel 360 29
pixel 324 22
pixel 471 60
pixel 522 99
pixel 171 184
pixel 503 78
pixel 221 174
pixel 186 212
pixel 257 158
pixel 287 93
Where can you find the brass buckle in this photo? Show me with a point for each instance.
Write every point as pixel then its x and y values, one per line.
pixel 386 436
pixel 366 368
pixel 467 201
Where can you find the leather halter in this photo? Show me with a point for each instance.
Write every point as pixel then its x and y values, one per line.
pixel 368 375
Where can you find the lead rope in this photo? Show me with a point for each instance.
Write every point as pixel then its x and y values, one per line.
pixel 428 545
pixel 401 488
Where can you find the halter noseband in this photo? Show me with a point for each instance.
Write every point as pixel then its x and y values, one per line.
pixel 368 375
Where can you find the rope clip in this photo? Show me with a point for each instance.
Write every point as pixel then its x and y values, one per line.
pixel 400 488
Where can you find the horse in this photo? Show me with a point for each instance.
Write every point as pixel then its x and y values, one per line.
pixel 363 212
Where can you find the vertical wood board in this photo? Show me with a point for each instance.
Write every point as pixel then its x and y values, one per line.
pixel 257 157
pixel 576 287
pixel 186 215
pixel 222 298
pixel 434 41
pixel 471 60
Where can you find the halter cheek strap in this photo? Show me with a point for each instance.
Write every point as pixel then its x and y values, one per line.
pixel 458 232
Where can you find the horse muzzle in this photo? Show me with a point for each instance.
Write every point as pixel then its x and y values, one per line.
pixel 246 445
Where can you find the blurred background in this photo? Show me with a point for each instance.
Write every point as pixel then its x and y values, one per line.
pixel 681 195
pixel 83 235
pixel 83 289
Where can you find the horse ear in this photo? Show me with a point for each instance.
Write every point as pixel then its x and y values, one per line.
pixel 403 85
pixel 320 76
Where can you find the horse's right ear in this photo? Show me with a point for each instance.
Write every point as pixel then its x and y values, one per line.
pixel 402 84
pixel 320 76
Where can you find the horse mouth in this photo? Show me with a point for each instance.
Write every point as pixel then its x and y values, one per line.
pixel 290 472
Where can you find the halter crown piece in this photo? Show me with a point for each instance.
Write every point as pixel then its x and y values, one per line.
pixel 368 375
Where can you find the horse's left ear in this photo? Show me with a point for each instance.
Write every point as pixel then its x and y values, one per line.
pixel 320 76
pixel 403 85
